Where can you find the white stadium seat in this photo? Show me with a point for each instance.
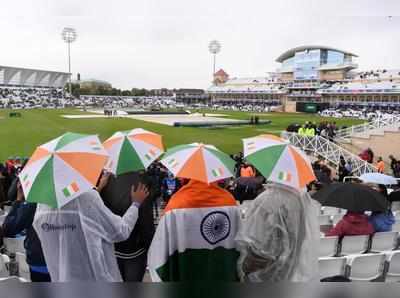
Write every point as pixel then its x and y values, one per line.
pixel 354 244
pixel 396 206
pixel 4 260
pixel 393 273
pixel 14 245
pixel 2 219
pixel 328 246
pixel 396 227
pixel 330 210
pixel 7 209
pixel 336 218
pixel 366 267
pixel 23 267
pixel 397 215
pixel 331 267
pixel 324 220
pixel 384 241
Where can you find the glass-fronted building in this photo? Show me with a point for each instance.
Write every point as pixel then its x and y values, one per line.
pixel 313 74
pixel 315 63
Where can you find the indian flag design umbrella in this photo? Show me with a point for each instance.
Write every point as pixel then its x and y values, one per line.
pixel 132 150
pixel 200 162
pixel 278 161
pixel 62 169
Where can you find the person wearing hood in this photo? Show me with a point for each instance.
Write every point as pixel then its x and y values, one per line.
pixel 78 239
pixel 277 237
pixel 352 224
pixel 382 221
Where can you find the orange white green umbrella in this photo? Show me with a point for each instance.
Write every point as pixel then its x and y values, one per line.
pixel 198 162
pixel 278 161
pixel 62 169
pixel 132 150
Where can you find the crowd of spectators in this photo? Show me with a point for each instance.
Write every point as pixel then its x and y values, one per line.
pixel 311 129
pixel 28 98
pixel 160 185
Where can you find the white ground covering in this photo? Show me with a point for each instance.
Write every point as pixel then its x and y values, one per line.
pixel 160 119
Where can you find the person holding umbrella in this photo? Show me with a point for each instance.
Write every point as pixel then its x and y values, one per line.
pixel 356 199
pixel 382 221
pixel 194 240
pixel 277 236
pixel 131 153
pixel 352 223
pixel 76 230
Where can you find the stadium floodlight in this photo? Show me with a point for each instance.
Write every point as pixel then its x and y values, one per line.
pixel 214 47
pixel 69 35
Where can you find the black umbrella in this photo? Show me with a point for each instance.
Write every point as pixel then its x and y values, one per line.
pixel 394 196
pixel 352 197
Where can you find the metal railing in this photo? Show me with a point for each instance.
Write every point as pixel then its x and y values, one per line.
pixel 328 150
pixel 376 126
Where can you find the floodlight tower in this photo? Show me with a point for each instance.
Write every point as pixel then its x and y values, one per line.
pixel 214 47
pixel 69 35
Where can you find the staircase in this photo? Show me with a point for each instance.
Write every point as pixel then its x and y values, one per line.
pixel 328 150
pixel 382 136
pixel 376 127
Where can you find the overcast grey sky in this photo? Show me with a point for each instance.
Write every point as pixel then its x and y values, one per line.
pixel 163 43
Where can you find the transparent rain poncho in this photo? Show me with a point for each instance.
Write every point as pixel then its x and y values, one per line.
pixel 278 236
pixel 78 239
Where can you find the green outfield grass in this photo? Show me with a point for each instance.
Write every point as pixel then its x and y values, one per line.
pixel 20 136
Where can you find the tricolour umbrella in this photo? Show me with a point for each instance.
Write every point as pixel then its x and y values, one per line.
pixel 62 169
pixel 132 150
pixel 278 161
pixel 378 178
pixel 351 196
pixel 198 162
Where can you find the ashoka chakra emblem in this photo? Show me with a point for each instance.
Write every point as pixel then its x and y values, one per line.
pixel 215 227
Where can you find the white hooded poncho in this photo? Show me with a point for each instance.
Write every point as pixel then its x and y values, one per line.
pixel 78 239
pixel 278 237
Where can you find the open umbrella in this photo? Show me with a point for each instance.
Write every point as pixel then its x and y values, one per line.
pixel 62 169
pixel 352 197
pixel 199 162
pixel 378 178
pixel 278 161
pixel 132 150
pixel 394 196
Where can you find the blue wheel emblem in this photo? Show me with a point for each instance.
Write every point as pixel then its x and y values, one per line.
pixel 215 227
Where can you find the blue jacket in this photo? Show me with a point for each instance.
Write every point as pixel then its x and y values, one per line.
pixel 19 219
pixel 382 221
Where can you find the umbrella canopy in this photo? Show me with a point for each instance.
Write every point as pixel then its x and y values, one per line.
pixel 199 162
pixel 378 178
pixel 352 197
pixel 62 169
pixel 394 196
pixel 278 161
pixel 132 150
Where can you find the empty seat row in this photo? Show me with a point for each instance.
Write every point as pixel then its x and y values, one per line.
pixel 365 267
pixel 348 245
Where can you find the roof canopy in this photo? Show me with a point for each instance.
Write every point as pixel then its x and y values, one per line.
pixel 291 52
pixel 17 76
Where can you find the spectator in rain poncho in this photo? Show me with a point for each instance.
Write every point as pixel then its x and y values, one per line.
pixel 77 240
pixel 278 235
